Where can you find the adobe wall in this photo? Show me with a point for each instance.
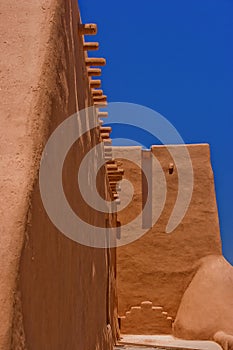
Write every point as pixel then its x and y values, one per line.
pixel 54 293
pixel 158 267
pixel 206 309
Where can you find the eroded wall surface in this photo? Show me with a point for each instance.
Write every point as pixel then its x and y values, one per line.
pixel 54 293
pixel 158 267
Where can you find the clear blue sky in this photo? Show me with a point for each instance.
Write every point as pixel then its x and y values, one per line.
pixel 176 57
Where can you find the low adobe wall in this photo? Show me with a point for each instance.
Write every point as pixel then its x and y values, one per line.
pixel 206 309
pixel 158 267
pixel 54 293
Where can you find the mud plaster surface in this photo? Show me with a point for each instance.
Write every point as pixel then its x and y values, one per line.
pixel 22 28
pixel 159 266
pixel 207 305
pixel 64 291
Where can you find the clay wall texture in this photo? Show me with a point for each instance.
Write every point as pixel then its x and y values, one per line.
pixel 158 267
pixel 206 307
pixel 54 293
pixel 58 294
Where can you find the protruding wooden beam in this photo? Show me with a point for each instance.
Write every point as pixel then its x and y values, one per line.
pixel 95 84
pixel 107 141
pixel 100 104
pixel 88 29
pixel 91 46
pixel 113 183
pixel 115 177
pixel 113 180
pixel 111 167
pixel 117 181
pixel 105 135
pixel 95 72
pixel 103 114
pixel 97 92
pixel 95 61
pixel 117 172
pixel 106 129
pixel 102 98
pixel 108 155
pixel 112 161
pixel 113 189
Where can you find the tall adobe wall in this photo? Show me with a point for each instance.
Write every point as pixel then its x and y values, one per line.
pixel 158 267
pixel 54 293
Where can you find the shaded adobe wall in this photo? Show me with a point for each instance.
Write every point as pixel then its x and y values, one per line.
pixel 24 32
pixel 159 267
pixel 64 297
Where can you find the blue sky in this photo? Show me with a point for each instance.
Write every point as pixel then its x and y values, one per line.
pixel 176 57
